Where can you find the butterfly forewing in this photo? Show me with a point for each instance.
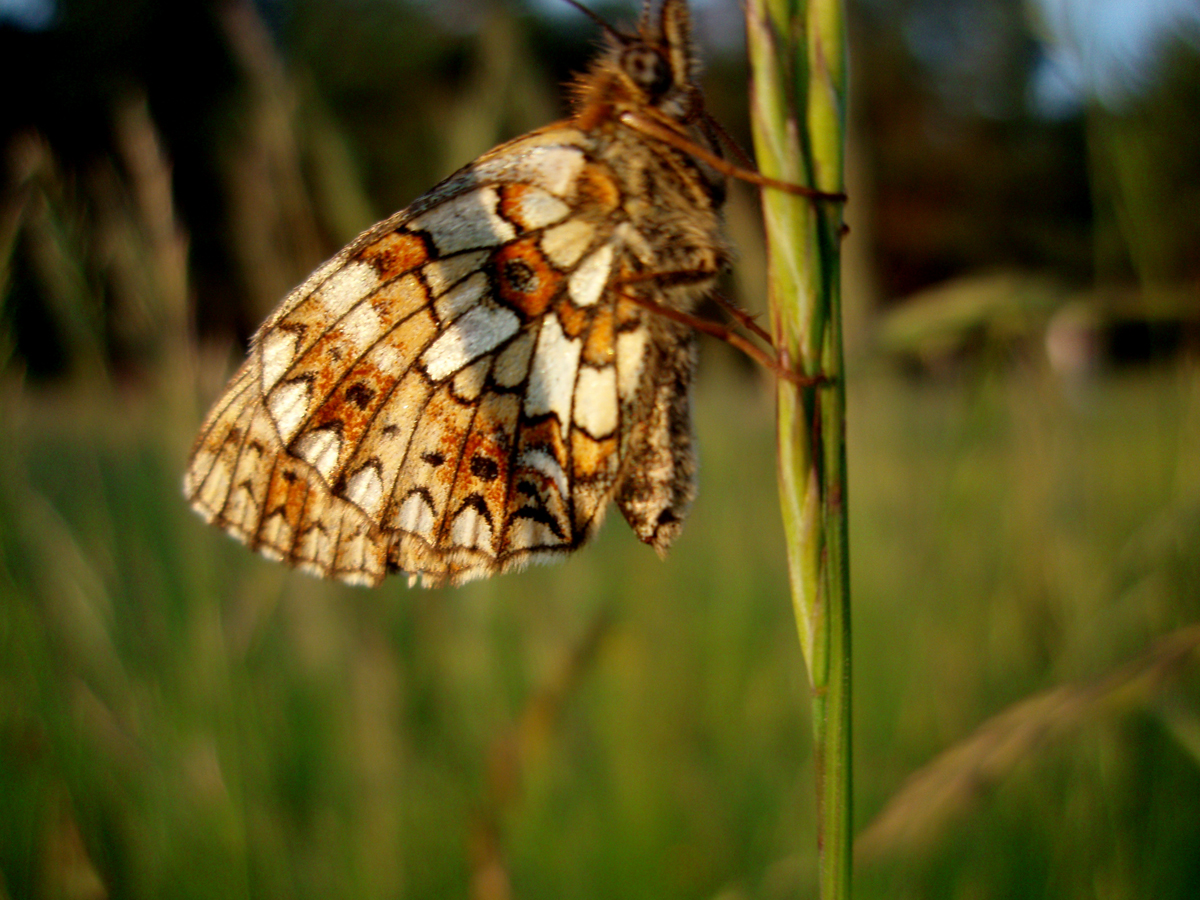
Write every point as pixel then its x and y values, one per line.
pixel 466 387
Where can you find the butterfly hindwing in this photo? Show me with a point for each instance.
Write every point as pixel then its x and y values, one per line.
pixel 442 399
pixel 466 386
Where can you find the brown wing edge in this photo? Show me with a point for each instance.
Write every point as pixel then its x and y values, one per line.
pixel 239 479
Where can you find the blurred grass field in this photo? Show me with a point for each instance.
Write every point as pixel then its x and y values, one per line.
pixel 180 718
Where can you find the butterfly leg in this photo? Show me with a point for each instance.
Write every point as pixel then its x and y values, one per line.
pixel 721 332
pixel 749 322
pixel 661 129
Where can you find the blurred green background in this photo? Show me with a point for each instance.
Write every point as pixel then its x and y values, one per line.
pixel 180 718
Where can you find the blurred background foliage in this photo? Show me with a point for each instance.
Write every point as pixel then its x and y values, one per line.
pixel 179 718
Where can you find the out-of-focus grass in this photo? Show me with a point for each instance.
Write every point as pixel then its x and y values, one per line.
pixel 182 718
pixel 1056 540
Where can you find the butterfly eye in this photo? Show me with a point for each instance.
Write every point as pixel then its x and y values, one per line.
pixel 648 69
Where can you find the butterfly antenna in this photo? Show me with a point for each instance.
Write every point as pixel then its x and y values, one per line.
pixel 595 17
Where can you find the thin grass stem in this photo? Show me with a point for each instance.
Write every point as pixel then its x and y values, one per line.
pixel 797 56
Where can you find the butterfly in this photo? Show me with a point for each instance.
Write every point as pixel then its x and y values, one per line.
pixel 464 388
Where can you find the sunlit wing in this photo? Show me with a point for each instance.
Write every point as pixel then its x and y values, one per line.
pixel 451 396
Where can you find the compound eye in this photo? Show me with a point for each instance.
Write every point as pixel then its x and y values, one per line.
pixel 648 69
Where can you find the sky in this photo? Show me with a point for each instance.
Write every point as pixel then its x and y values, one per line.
pixel 32 15
pixel 1103 50
pixel 1106 50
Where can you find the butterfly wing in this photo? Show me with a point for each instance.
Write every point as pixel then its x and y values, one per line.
pixel 457 393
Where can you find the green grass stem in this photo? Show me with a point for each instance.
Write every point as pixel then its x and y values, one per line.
pixel 797 56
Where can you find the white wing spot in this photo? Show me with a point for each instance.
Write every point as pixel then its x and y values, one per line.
pixel 360 328
pixel 461 297
pixel 525 533
pixel 596 401
pixel 557 167
pixel 480 330
pixel 416 515
pixel 539 209
pixel 365 489
pixel 564 244
pixel 552 377
pixel 631 348
pixel 279 349
pixel 274 534
pixel 210 492
pixel 320 449
pixel 443 274
pixel 313 548
pixel 288 404
pixel 588 281
pixel 347 286
pixel 465 222
pixel 553 168
pixel 240 507
pixel 472 530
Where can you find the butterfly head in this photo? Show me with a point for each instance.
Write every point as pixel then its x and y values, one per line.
pixel 656 67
